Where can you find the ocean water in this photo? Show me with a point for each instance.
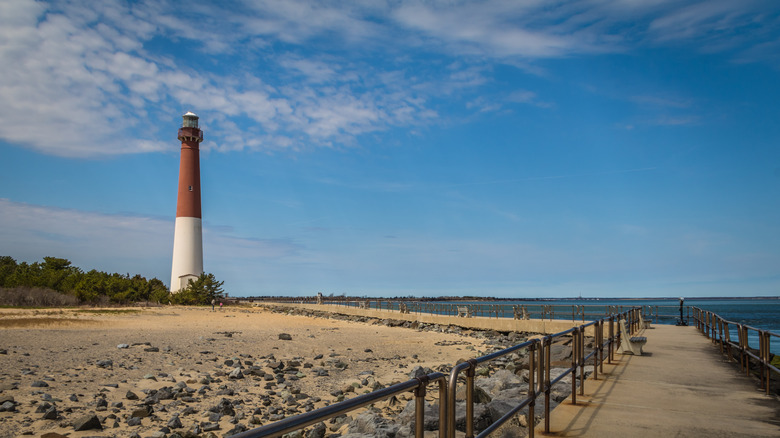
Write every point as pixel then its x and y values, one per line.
pixel 760 313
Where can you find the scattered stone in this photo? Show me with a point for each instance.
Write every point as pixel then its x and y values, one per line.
pixel 175 423
pixel 121 346
pixel 142 412
pixel 39 384
pixel 130 396
pixel 210 427
pixel 107 363
pixel 87 422
pixel 236 430
pixel 51 413
pixel 236 374
pixel 285 337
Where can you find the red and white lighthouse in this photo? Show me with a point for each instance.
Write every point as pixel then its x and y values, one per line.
pixel 188 234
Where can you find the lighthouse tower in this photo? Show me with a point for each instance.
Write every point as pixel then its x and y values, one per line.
pixel 188 234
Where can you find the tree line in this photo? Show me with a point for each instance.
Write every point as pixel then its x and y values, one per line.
pixel 58 274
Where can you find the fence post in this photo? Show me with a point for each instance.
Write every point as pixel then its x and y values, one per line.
pixel 443 399
pixel 470 371
pixel 531 388
pixel 574 356
pixel 546 348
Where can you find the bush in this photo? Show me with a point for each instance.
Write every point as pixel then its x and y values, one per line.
pixel 35 297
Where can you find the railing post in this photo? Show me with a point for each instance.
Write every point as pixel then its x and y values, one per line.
pixel 546 347
pixel 574 358
pixel 443 408
pixel 744 361
pixel 582 361
pixel 419 407
pixel 610 351
pixel 599 357
pixel 763 354
pixel 531 387
pixel 470 372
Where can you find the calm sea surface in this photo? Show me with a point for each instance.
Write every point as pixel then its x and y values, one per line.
pixel 761 313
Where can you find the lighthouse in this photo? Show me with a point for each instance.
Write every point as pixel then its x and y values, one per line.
pixel 188 234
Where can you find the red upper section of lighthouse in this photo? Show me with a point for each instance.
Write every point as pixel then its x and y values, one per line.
pixel 188 204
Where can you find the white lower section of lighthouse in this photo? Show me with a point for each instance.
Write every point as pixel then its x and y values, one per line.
pixel 187 252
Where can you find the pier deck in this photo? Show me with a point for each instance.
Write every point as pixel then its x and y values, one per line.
pixel 680 387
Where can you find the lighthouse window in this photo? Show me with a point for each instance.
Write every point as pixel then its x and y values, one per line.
pixel 190 188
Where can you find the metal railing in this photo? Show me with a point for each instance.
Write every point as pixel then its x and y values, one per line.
pixel 418 385
pixel 539 383
pixel 719 330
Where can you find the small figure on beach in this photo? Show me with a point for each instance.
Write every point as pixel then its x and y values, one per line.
pixel 220 306
pixel 213 302
pixel 319 297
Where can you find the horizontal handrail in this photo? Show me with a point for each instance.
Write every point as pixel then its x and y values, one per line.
pixel 718 330
pixel 298 422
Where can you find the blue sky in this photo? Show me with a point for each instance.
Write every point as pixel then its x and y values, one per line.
pixel 500 148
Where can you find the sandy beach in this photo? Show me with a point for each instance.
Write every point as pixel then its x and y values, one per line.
pixel 146 370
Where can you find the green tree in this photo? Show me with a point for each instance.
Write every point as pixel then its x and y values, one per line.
pixel 7 267
pixel 200 291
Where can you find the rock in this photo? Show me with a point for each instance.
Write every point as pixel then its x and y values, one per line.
pixel 39 384
pixel 407 416
pixel 107 363
pixel 481 417
pixel 480 395
pixel 87 422
pixel 152 349
pixel 133 421
pixel 285 337
pixel 419 371
pixel 51 414
pixel 236 374
pixel 142 412
pixel 499 381
pixel 560 353
pixel 317 431
pixel 373 425
pixel 8 406
pixel 53 435
pixel 208 427
pixel 497 408
pixel 236 430
pixel 121 346
pixel 175 423
pixel 224 407
pixel 131 395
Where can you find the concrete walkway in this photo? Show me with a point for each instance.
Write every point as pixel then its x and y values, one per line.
pixel 680 387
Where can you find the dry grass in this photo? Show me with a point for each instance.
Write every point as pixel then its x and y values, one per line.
pixel 47 321
pixel 35 297
pixel 107 311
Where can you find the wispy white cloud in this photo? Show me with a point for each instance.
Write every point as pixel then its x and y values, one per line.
pixel 119 242
pixel 97 74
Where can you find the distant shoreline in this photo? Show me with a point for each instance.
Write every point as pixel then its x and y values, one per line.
pixel 495 299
